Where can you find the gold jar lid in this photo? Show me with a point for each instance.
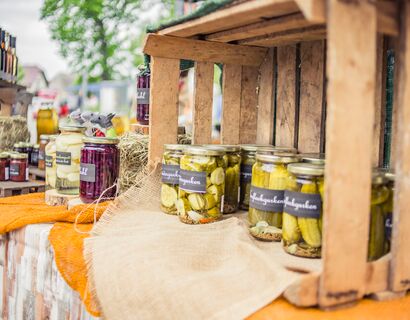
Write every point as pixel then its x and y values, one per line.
pixel 72 128
pixel 17 155
pixel 315 158
pixel 18 145
pixel 390 176
pixel 27 144
pixel 203 151
pixel 281 157
pixel 378 177
pixel 253 147
pixel 4 155
pixel 175 146
pixel 101 140
pixel 228 148
pixel 276 149
pixel 306 169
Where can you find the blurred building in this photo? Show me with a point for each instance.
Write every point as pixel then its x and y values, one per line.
pixel 34 78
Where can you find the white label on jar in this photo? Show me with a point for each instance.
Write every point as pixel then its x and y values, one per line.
pixel 87 172
pixel 7 173
pixel 63 158
pixel 26 174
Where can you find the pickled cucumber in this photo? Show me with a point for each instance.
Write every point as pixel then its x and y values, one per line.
pixel 196 201
pixel 376 234
pixel 218 176
pixel 168 195
pixel 290 228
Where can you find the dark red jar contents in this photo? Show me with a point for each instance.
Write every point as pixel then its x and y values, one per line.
pixel 4 167
pixel 99 168
pixel 143 86
pixel 19 167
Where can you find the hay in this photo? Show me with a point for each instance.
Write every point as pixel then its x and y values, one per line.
pixel 12 130
pixel 134 157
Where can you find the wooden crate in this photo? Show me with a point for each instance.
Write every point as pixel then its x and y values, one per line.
pixel 309 74
pixel 10 188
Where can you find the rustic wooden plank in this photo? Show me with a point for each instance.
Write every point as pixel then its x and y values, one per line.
pixel 287 37
pixel 313 10
pixel 249 105
pixel 207 51
pixel 351 72
pixel 265 119
pixel 387 21
pixel 286 96
pixel 400 266
pixel 163 108
pixel 284 23
pixel 377 275
pixel 241 14
pixel 311 95
pixel 304 292
pixel 203 98
pixel 231 103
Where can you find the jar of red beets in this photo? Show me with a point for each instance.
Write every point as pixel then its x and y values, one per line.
pixel 19 167
pixel 99 168
pixel 4 166
pixel 143 86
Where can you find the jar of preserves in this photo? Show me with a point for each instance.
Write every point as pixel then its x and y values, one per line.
pixel 232 176
pixel 201 185
pixel 99 168
pixel 270 178
pixel 314 158
pixel 19 147
pixel 44 139
pixel 379 196
pixel 47 122
pixel 34 155
pixel 143 87
pixel 4 166
pixel 170 177
pixel 50 161
pixel 302 212
pixel 28 149
pixel 19 167
pixel 68 151
pixel 388 211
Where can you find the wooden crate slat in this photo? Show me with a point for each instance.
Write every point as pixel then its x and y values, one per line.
pixel 238 15
pixel 207 51
pixel 387 22
pixel 203 98
pixel 313 10
pixel 286 96
pixel 311 95
pixel 400 272
pixel 351 72
pixel 163 107
pixel 231 103
pixel 265 119
pixel 249 105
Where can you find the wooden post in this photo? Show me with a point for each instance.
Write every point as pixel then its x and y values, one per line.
pixel 400 266
pixel 231 103
pixel 265 121
pixel 203 98
pixel 351 71
pixel 163 110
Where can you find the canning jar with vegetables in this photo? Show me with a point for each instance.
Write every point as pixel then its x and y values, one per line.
pixel 314 158
pixel 170 177
pixel 270 178
pixel 232 175
pixel 99 168
pixel 4 166
pixel 302 212
pixel 201 185
pixel 379 196
pixel 50 160
pixel 68 151
pixel 388 211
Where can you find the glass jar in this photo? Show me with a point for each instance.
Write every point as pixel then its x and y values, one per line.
pixel 314 158
pixel 270 178
pixel 388 211
pixel 19 147
pixel 4 166
pixel 379 196
pixel 47 122
pixel 28 149
pixel 143 87
pixel 302 212
pixel 170 177
pixel 68 151
pixel 44 139
pixel 34 155
pixel 232 176
pixel 19 167
pixel 201 185
pixel 100 165
pixel 50 161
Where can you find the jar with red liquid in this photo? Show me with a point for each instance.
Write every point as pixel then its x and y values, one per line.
pixel 4 166
pixel 143 86
pixel 99 168
pixel 19 167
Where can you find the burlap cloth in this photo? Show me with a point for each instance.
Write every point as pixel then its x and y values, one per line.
pixel 144 264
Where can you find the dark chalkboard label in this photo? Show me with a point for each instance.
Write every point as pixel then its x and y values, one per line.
pixel 63 158
pixel 306 205
pixel 87 172
pixel 246 173
pixel 143 95
pixel 49 161
pixel 266 200
pixel 170 174
pixel 192 181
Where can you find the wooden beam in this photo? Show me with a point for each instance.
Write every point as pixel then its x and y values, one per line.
pixel 203 98
pixel 313 10
pixel 287 37
pixel 285 23
pixel 265 126
pixel 400 272
pixel 237 15
pixel 231 103
pixel 387 17
pixel 351 72
pixel 206 51
pixel 163 109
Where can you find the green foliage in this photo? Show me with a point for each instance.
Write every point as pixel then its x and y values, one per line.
pixel 20 73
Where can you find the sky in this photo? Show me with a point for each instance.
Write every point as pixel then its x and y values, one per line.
pixel 34 45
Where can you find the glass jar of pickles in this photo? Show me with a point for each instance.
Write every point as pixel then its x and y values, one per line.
pixel 47 122
pixel 19 167
pixel 68 151
pixel 34 155
pixel 100 165
pixel 270 178
pixel 170 177
pixel 388 211
pixel 379 196
pixel 314 158
pixel 201 185
pixel 4 166
pixel 44 139
pixel 302 212
pixel 50 160
pixel 248 153
pixel 232 175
